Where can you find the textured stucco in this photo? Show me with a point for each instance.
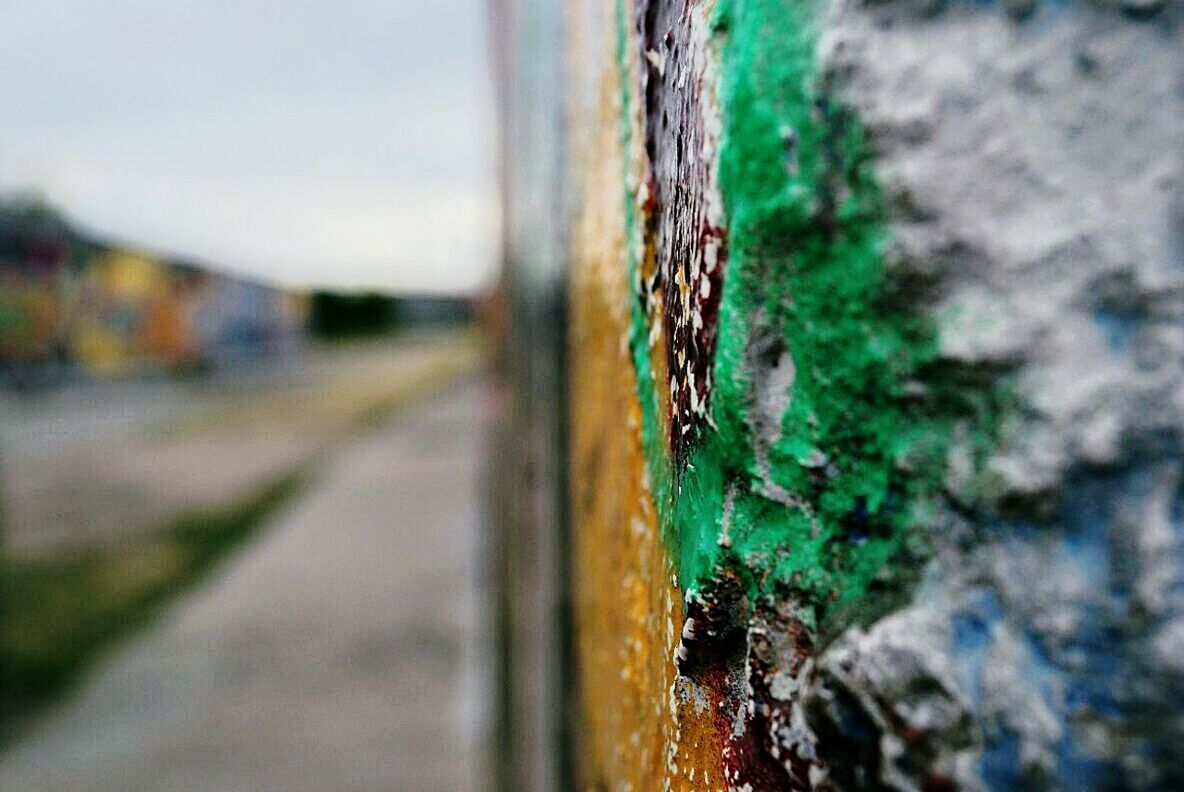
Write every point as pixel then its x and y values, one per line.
pixel 876 393
pixel 1034 169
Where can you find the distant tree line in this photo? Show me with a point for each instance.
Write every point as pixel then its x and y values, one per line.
pixel 337 315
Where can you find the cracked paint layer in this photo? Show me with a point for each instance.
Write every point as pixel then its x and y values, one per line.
pixel 876 474
pixel 821 438
pixel 803 441
pixel 794 447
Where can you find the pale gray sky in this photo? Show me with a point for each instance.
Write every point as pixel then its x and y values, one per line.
pixel 345 142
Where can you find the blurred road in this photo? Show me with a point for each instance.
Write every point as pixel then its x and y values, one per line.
pixel 102 463
pixel 339 652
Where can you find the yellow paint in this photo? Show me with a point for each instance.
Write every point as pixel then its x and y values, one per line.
pixel 103 334
pixel 130 276
pixel 101 350
pixel 636 729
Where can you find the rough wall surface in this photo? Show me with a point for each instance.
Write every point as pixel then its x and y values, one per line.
pixel 1034 171
pixel 876 392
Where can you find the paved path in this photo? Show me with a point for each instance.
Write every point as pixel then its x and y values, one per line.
pixel 97 464
pixel 337 653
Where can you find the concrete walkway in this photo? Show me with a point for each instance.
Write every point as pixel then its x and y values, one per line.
pixel 99 464
pixel 337 653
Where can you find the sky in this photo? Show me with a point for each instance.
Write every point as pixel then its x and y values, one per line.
pixel 329 142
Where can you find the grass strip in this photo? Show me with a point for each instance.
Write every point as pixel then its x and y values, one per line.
pixel 60 615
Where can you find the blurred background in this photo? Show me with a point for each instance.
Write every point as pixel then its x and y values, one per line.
pixel 245 250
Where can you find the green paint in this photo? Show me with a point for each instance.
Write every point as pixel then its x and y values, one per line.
pixel 806 274
pixel 806 235
pixel 653 438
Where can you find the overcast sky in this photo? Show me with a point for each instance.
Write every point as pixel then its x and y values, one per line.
pixel 344 142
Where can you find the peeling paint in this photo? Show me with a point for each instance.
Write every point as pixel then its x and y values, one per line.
pixel 840 415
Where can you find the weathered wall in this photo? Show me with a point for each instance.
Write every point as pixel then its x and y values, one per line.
pixel 876 388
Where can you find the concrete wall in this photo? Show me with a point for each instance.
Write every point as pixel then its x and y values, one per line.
pixel 530 558
pixel 874 384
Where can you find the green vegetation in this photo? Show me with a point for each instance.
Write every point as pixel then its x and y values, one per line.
pixel 336 316
pixel 60 614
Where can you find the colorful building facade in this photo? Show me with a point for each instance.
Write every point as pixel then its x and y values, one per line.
pixel 70 307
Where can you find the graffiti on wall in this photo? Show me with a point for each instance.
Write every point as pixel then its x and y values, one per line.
pixel 875 340
pixel 69 303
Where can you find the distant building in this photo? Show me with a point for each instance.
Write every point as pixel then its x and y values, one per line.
pixel 71 306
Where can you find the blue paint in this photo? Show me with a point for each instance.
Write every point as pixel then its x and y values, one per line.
pixel 971 639
pixel 1076 770
pixel 1118 328
pixel 1089 674
pixel 1039 673
pixel 1058 7
pixel 1000 765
